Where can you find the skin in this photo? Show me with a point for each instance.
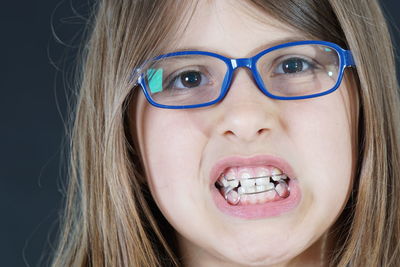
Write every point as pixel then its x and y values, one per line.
pixel 179 147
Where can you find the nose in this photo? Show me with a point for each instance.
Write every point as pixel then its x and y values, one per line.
pixel 246 114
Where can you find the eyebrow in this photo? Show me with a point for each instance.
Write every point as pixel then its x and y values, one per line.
pixel 251 52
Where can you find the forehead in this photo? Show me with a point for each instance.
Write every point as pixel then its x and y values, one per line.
pixel 234 29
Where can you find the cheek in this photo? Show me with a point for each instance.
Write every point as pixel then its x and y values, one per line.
pixel 171 150
pixel 323 142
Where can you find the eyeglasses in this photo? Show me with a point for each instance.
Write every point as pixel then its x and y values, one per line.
pixel 290 71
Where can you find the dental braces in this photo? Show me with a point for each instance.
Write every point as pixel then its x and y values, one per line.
pixel 235 199
pixel 282 177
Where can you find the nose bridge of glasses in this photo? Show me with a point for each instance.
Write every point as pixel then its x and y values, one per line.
pixel 241 62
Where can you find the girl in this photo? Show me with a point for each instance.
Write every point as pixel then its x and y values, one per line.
pixel 235 133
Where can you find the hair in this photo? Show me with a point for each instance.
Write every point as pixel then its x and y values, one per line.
pixel 110 218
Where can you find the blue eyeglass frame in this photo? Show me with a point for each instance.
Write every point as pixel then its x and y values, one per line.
pixel 345 60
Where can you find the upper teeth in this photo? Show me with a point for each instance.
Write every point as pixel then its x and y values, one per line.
pixel 240 173
pixel 254 185
pixel 233 183
pixel 251 181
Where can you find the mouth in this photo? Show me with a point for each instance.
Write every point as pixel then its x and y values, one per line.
pixel 252 185
pixel 256 187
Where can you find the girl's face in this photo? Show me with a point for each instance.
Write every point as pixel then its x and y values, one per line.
pixel 185 152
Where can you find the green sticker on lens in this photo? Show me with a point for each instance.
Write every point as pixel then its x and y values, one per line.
pixel 155 80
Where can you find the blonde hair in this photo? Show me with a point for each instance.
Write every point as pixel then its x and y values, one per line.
pixel 110 218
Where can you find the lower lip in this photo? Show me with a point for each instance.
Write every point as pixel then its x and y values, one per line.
pixel 259 211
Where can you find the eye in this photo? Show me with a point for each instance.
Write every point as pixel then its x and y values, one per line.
pixel 188 79
pixel 294 65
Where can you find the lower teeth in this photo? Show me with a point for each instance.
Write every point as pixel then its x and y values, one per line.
pixel 233 197
pixel 282 189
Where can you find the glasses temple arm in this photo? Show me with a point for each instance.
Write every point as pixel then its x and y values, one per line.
pixel 349 59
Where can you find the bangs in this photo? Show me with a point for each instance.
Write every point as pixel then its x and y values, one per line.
pixel 315 19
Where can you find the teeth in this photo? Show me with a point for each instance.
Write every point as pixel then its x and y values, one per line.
pixel 262 172
pixel 250 189
pixel 230 175
pixel 233 183
pixel 262 181
pixel 261 188
pixel 270 195
pixel 275 171
pixel 233 197
pixel 241 190
pixel 244 198
pixel 270 186
pixel 223 182
pixel 276 174
pixel 282 189
pixel 247 182
pixel 253 199
pixel 253 185
pixel 277 177
pixel 244 175
pixel 261 197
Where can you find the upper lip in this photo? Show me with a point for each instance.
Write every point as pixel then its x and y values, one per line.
pixel 259 160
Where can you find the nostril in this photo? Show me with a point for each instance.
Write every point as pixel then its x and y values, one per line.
pixel 229 133
pixel 245 134
pixel 262 131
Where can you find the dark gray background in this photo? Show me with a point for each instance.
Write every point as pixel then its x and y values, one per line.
pixel 32 108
